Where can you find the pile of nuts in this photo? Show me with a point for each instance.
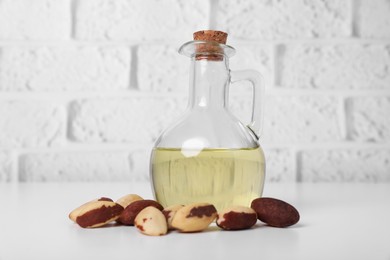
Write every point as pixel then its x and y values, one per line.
pixel 152 219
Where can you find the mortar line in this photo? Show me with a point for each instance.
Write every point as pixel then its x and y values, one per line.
pixel 213 14
pixel 348 119
pixel 68 119
pixel 342 117
pixel 15 167
pixel 73 9
pixel 278 51
pixel 297 165
pixel 355 18
pixel 133 83
pixel 18 167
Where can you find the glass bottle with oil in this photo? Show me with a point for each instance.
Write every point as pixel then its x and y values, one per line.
pixel 209 155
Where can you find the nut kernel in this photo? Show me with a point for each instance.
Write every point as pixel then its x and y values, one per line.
pixel 98 213
pixel 194 217
pixel 131 211
pixel 127 199
pixel 274 212
pixel 76 212
pixel 236 218
pixel 169 213
pixel 151 221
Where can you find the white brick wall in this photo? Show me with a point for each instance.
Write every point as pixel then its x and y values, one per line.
pixel 5 167
pixel 373 18
pixel 122 120
pixel 162 69
pixel 280 164
pixel 139 20
pixel 370 165
pixel 31 124
pixel 294 119
pixel 75 166
pixel 64 69
pixel 253 19
pixel 369 119
pixel 35 20
pixel 86 86
pixel 352 65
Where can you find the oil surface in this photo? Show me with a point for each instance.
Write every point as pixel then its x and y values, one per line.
pixel 222 177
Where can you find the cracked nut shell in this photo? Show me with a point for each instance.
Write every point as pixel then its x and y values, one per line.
pixel 274 212
pixel 236 218
pixel 151 221
pixel 194 217
pixel 131 211
pixel 98 213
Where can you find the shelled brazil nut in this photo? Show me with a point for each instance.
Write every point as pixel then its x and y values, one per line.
pixel 275 212
pixel 150 218
pixel 236 218
pixel 194 217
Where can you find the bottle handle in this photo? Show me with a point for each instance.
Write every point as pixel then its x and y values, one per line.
pixel 257 82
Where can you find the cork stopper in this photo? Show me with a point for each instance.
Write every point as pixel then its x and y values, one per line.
pixel 211 36
pixel 210 51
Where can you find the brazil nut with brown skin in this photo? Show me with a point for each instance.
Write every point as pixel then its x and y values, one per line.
pixel 194 217
pixel 76 212
pixel 127 199
pixel 170 212
pixel 151 221
pixel 98 213
pixel 131 211
pixel 236 218
pixel 274 212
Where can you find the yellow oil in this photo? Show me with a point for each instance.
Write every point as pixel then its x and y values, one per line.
pixel 219 176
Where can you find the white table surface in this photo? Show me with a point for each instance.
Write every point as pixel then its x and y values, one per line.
pixel 338 221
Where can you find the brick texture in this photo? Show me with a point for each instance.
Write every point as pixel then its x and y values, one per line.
pixel 31 124
pixel 252 57
pixel 369 119
pixel 75 166
pixel 122 120
pixel 294 119
pixel 64 69
pixel 161 68
pixel 35 20
pixel 373 18
pixel 280 165
pixel 284 19
pixel 5 167
pixel 343 66
pixel 345 166
pixel 87 86
pixel 140 160
pixel 136 20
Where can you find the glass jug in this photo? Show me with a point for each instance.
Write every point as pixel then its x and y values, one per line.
pixel 209 155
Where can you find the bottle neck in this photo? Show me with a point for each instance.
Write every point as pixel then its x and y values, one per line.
pixel 208 82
